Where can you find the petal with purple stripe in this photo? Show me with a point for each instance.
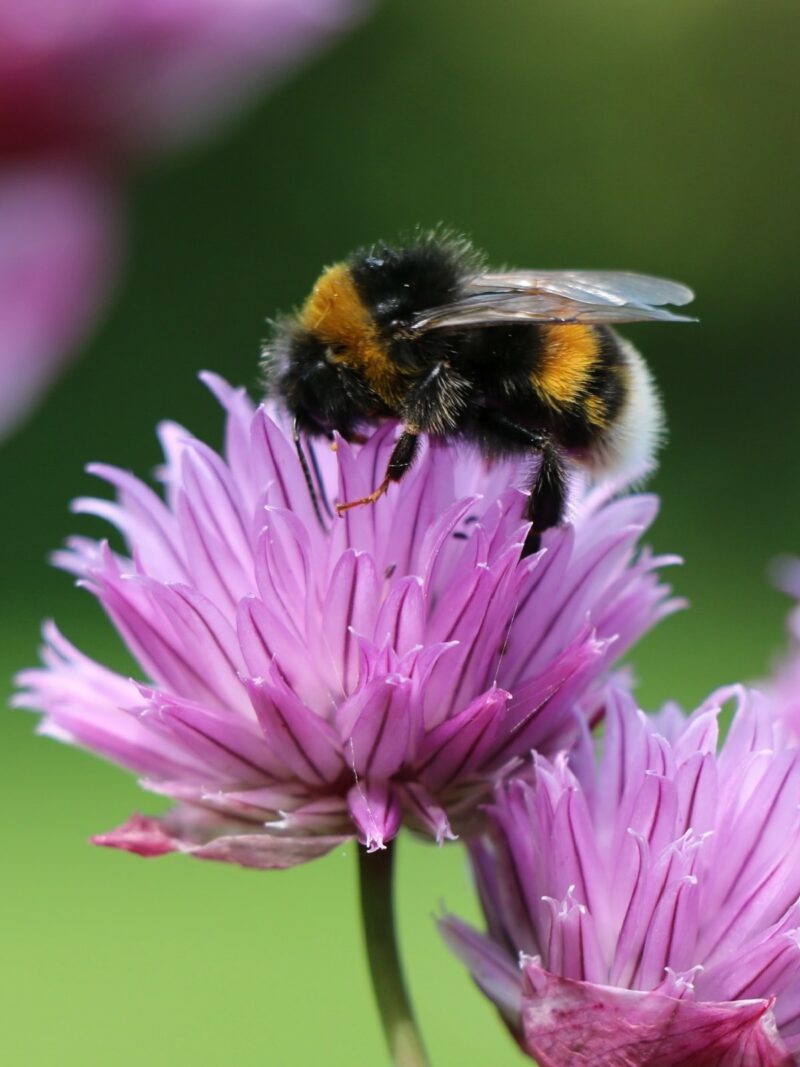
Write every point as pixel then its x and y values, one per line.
pixel 376 811
pixel 300 738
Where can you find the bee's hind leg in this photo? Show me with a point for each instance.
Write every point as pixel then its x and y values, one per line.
pixel 548 496
pixel 548 491
pixel 403 454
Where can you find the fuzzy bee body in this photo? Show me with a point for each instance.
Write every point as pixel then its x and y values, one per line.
pixel 516 363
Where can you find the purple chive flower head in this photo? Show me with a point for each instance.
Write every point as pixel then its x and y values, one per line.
pixel 299 685
pixel 642 904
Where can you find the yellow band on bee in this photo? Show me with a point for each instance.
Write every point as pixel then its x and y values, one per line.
pixel 596 412
pixel 568 355
pixel 335 314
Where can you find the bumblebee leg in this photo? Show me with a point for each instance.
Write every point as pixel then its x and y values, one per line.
pixel 298 444
pixel 545 506
pixel 319 480
pixel 400 461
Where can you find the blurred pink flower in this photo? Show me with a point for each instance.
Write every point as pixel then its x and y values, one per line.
pixel 643 904
pixel 59 237
pixel 87 87
pixel 782 687
pixel 105 79
pixel 302 684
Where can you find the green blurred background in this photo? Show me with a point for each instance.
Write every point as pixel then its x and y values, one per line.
pixel 657 137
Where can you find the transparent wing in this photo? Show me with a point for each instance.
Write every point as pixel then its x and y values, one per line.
pixel 614 287
pixel 603 296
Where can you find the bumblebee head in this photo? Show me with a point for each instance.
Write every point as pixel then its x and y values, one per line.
pixel 316 388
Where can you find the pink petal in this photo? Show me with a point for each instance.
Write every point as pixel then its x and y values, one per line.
pixel 359 473
pixel 401 619
pixel 460 744
pixel 240 411
pixel 277 468
pixel 416 511
pixel 375 809
pixel 142 517
pixel 349 609
pixel 378 743
pixel 232 747
pixel 423 811
pixel 492 969
pixel 264 638
pixel 541 713
pixel 283 565
pixel 216 500
pixel 215 569
pixel 325 816
pixel 85 704
pixel 262 805
pixel 179 637
pixel 300 738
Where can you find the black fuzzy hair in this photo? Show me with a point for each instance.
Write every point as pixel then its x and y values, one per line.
pixel 395 282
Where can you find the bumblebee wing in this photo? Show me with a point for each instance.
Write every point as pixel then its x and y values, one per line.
pixel 615 287
pixel 559 296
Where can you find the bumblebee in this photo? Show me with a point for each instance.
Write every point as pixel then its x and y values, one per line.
pixel 517 362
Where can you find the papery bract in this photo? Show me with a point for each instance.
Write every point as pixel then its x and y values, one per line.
pixel 642 904
pixel 300 684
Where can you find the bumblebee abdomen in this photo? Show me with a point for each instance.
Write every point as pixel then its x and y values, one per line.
pixel 566 361
pixel 580 380
pixel 619 422
pixel 578 367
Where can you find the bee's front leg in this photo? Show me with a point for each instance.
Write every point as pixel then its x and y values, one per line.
pixel 400 461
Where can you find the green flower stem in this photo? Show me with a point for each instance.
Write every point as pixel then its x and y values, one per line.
pixel 377 915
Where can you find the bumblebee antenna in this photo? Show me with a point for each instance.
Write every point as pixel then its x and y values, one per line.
pixel 318 479
pixel 307 473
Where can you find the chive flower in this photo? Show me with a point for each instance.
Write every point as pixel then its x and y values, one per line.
pixel 643 902
pixel 298 685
